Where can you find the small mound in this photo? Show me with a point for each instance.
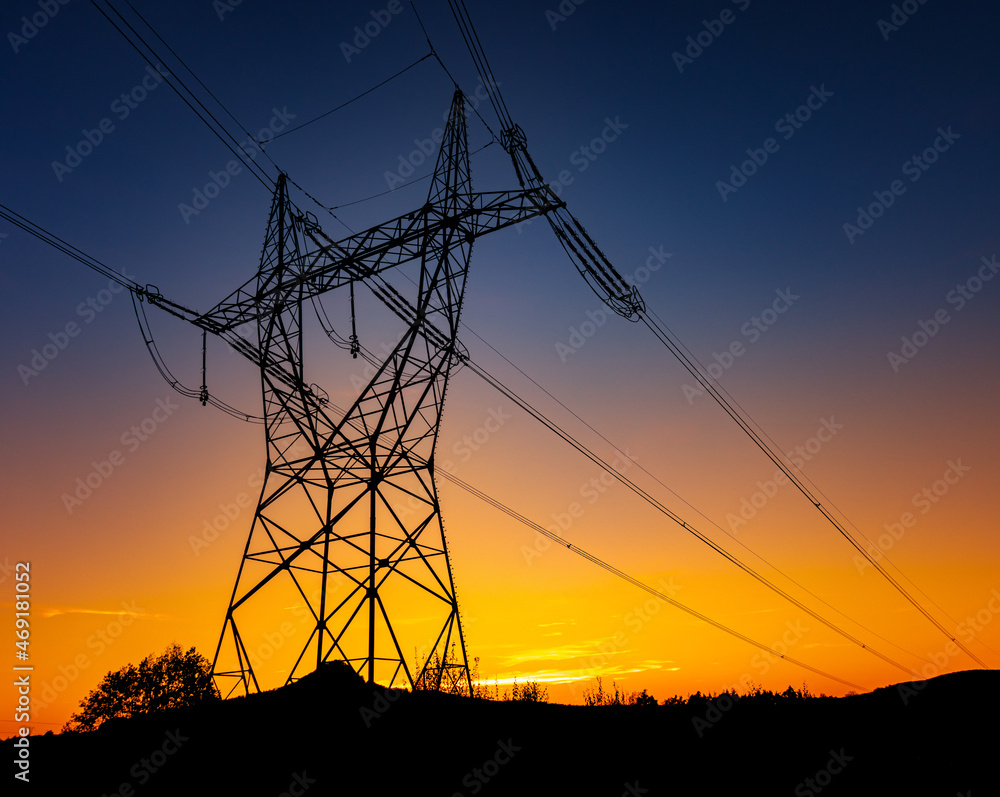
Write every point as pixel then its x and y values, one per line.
pixel 331 676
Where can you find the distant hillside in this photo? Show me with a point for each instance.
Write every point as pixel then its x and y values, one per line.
pixel 331 734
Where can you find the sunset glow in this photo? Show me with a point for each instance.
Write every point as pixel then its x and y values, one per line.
pixel 861 342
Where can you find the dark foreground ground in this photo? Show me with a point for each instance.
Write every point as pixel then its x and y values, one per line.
pixel 332 735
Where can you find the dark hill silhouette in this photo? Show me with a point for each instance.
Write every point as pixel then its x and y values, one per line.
pixel 332 734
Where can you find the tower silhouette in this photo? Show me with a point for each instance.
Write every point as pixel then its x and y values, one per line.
pixel 348 527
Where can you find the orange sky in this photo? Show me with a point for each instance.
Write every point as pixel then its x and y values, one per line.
pixel 131 569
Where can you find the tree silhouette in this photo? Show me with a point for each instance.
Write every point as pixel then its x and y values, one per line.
pixel 174 679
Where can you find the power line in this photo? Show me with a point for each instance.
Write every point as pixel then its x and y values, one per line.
pixel 184 64
pixel 802 474
pixel 636 582
pixel 400 306
pixel 201 394
pixel 592 264
pixel 732 558
pixel 474 46
pixel 329 209
pixel 684 501
pixel 139 295
pixel 618 572
pixel 219 131
pixel 664 337
pixel 354 99
pixel 66 248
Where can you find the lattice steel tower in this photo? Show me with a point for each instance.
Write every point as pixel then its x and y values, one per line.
pixel 334 486
pixel 346 557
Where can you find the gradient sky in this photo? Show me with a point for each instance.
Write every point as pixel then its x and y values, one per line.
pixel 680 127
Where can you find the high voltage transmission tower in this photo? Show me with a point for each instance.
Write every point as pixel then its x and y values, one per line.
pixel 335 537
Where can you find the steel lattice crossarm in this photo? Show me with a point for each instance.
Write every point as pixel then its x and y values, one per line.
pixel 333 264
pixel 361 257
pixel 330 264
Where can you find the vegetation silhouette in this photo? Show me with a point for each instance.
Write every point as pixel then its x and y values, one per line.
pixel 175 679
pixel 528 692
pixel 334 733
pixel 596 696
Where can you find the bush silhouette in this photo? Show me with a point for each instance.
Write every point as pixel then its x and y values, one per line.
pixel 174 679
pixel 598 697
pixel 529 692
